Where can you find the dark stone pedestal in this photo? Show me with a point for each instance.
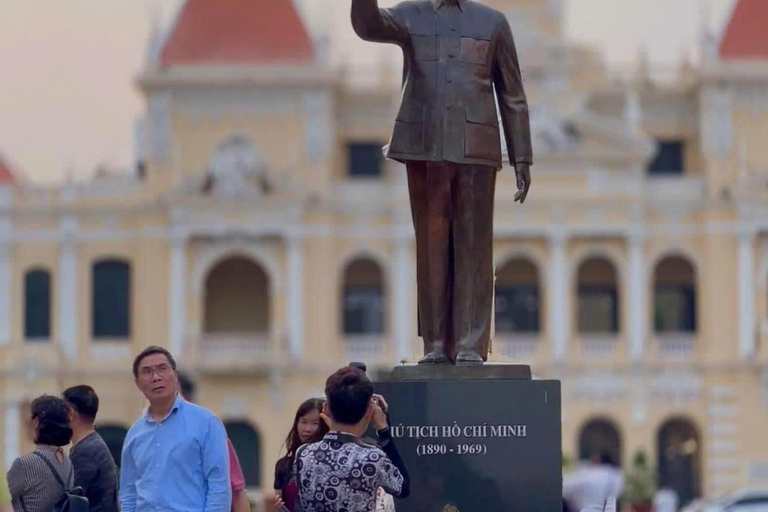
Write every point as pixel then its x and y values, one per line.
pixel 419 372
pixel 477 438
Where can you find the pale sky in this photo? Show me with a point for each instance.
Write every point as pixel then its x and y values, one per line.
pixel 67 98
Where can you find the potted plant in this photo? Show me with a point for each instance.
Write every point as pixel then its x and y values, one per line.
pixel 640 484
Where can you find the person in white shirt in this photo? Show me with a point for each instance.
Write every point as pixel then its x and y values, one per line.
pixel 592 484
pixel 666 500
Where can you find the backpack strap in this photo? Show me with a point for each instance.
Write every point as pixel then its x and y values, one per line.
pixel 53 470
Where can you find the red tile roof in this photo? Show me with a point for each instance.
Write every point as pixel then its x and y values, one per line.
pixel 746 36
pixel 238 32
pixel 6 175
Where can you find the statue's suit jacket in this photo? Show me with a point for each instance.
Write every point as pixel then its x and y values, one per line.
pixel 451 66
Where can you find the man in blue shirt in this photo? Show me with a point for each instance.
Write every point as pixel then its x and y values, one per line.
pixel 175 456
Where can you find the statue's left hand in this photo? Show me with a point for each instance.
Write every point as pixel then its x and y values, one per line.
pixel 523 173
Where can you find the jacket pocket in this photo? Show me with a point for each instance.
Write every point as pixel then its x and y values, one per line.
pixel 482 141
pixel 474 51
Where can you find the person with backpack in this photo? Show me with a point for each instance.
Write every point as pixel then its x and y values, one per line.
pixel 43 481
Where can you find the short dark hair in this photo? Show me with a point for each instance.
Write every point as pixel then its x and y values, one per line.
pixel 187 386
pixel 84 400
pixel 52 415
pixel 148 352
pixel 349 392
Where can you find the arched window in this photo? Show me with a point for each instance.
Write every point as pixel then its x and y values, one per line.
pixel 674 296
pixel 114 437
pixel 237 298
pixel 679 463
pixel 600 438
pixel 111 299
pixel 363 298
pixel 598 310
pixel 517 297
pixel 37 305
pixel 247 444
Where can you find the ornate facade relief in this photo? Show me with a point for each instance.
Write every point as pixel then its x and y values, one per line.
pixel 551 135
pixel 236 170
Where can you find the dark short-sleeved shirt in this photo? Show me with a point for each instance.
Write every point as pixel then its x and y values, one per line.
pixel 95 472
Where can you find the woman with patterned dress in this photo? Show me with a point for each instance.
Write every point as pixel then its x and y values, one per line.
pixel 32 482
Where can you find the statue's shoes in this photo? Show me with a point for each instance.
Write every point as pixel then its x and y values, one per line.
pixel 436 357
pixel 468 357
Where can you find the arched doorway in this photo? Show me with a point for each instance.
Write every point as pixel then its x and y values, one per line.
pixel 679 458
pixel 600 438
pixel 114 437
pixel 237 298
pixel 247 442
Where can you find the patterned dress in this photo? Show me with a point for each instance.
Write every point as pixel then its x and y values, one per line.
pixel 343 474
pixel 32 483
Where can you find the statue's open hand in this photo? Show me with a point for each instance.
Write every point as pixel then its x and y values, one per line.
pixel 523 173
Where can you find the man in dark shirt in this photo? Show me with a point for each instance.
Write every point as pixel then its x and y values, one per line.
pixel 94 466
pixel 342 472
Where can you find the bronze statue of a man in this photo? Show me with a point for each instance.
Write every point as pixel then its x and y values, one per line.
pixel 456 52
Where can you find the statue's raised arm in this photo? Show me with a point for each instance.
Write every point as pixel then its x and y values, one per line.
pixel 378 25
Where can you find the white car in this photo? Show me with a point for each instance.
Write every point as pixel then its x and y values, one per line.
pixel 753 500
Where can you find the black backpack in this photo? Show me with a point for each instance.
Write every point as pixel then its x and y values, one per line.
pixel 72 500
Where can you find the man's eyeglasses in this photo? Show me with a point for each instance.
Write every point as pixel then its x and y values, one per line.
pixel 147 372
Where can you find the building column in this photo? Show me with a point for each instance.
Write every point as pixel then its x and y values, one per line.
pixel 5 274
pixel 746 295
pixel 67 315
pixel 295 295
pixel 403 308
pixel 559 319
pixel 12 429
pixel 637 300
pixel 177 297
pixel 5 292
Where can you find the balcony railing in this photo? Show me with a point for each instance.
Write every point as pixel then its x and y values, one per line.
pixel 676 187
pixel 364 347
pixel 516 345
pixel 598 346
pixel 675 344
pixel 218 351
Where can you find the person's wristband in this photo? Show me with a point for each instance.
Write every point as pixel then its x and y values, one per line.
pixel 384 433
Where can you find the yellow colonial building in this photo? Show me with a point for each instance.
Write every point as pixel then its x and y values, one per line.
pixel 262 238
